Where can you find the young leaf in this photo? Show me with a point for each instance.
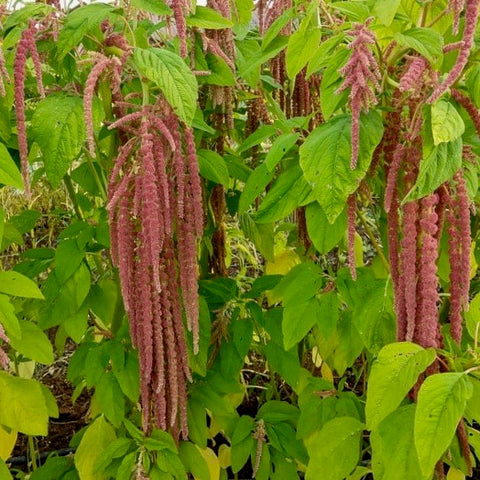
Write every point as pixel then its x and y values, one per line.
pixel 22 405
pixel 392 376
pixel 170 73
pixel 81 21
pixel 213 167
pixel 58 128
pixel 426 41
pixel 33 343
pixel 9 174
pixel 97 438
pixel 335 449
pixel 205 17
pixel 300 49
pixel 324 235
pixel 17 285
pixel 447 124
pixel 385 10
pixel 325 159
pixel 441 403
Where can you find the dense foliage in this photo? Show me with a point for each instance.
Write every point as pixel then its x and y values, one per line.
pixel 250 229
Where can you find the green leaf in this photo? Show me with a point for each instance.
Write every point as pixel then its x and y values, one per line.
pixel 426 41
pixel 240 452
pixel 393 452
pixel 9 174
pixel 205 17
pixel 276 27
pixel 297 321
pixel 300 49
pixel 193 460
pixel 79 22
pixel 68 257
pixel 97 438
pixel 328 312
pixel 8 319
pixel 221 74
pixel 289 191
pixel 243 429
pixel 300 284
pixel 447 124
pixel 17 285
pixel 157 7
pixel 438 165
pixel 257 137
pixel 335 449
pixel 117 449
pixel 385 10
pixel 170 73
pixel 473 84
pixel 127 467
pixel 325 159
pixel 4 471
pixel 392 376
pixel 128 376
pixel 110 398
pixel 213 167
pixel 254 186
pixel 33 343
pixel 440 405
pixel 324 235
pixel 330 101
pixel 472 317
pixel 279 148
pixel 58 128
pixel 22 405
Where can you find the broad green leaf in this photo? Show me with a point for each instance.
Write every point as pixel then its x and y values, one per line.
pixel 297 321
pixel 473 84
pixel 392 376
pixel 9 174
pixel 447 124
pixel 242 14
pixel 79 22
pixel 254 186
pixel 193 461
pixel 220 73
pixel 472 411
pixel 205 17
pixel 110 398
pixel 170 73
pixel 157 7
pixel 4 471
pixel 393 452
pixel 472 317
pixel 117 449
pixel 355 11
pixel 385 10
pixel 325 159
pixel 439 164
pixel 440 405
pixel 261 234
pixel 324 235
pixel 276 27
pixel 22 405
pixel 323 54
pixel 330 101
pixel 328 312
pixel 33 343
pixel 374 317
pixel 8 319
pixel 58 128
pixel 257 137
pixel 213 167
pixel 279 148
pixel 302 283
pixel 243 429
pixel 68 257
pixel 240 453
pixel 128 377
pixel 97 438
pixel 335 449
pixel 426 41
pixel 17 285
pixel 300 49
pixel 289 192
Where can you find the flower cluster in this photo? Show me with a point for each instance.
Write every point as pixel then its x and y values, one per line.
pixel 359 73
pixel 155 214
pixel 25 45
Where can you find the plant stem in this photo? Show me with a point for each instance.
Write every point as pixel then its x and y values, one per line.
pixel 32 451
pixel 71 194
pixel 372 238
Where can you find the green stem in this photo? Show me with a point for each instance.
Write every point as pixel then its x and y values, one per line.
pixel 71 194
pixel 97 179
pixel 33 452
pixel 372 238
